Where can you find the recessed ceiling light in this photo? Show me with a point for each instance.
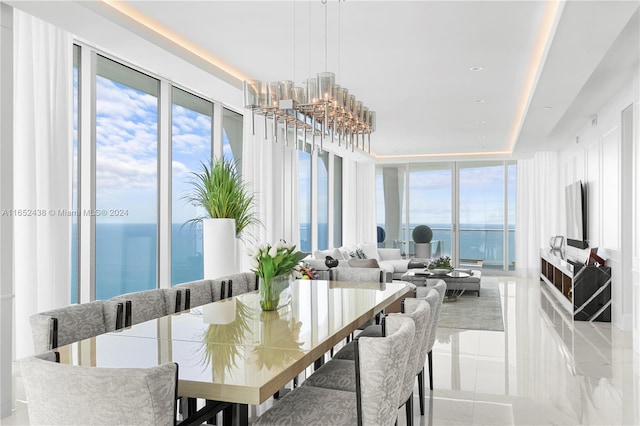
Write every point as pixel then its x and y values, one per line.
pixel 476 68
pixel 548 108
pixel 479 101
pixel 482 137
pixel 480 122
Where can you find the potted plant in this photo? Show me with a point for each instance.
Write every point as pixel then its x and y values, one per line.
pixel 274 265
pixel 441 265
pixel 422 235
pixel 218 189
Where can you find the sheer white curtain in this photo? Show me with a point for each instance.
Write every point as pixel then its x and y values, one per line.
pixel 43 71
pixel 537 195
pixel 271 171
pixel 359 202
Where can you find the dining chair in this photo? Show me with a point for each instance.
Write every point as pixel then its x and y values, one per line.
pixel 200 293
pixel 60 394
pixel 434 300
pixel 59 327
pixel 338 372
pixel 422 292
pixel 141 306
pixel 377 394
pixel 239 283
pixel 358 274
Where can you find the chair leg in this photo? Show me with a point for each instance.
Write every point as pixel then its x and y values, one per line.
pixel 421 390
pixel 408 408
pixel 430 370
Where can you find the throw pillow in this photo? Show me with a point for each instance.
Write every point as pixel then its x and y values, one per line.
pixel 364 263
pixel 321 254
pixel 370 250
pixel 345 254
pixel 360 254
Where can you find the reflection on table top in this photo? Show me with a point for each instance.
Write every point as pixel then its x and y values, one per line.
pixel 231 350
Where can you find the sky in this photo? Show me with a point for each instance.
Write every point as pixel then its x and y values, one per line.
pixel 127 153
pixel 481 196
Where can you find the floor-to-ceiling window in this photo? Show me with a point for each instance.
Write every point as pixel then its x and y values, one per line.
pixel 322 209
pixel 511 215
pixel 232 124
pixel 390 205
pixel 74 174
pixel 430 195
pixel 304 199
pixel 191 145
pixel 126 179
pixel 470 207
pixel 481 214
pixel 337 201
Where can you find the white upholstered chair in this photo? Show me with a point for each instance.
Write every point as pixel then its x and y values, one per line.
pixel 422 292
pixel 336 373
pixel 60 394
pixel 378 391
pixel 59 327
pixel 141 306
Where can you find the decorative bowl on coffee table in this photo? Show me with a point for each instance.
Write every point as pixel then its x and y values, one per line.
pixel 440 271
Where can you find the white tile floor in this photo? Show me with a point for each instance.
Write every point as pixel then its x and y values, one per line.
pixel 542 370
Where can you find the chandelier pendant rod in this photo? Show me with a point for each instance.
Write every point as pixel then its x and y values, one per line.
pixel 253 121
pixel 265 127
pixel 275 127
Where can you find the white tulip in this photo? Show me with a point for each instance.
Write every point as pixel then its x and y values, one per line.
pixel 254 263
pixel 273 252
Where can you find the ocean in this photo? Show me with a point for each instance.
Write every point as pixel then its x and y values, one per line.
pixel 126 254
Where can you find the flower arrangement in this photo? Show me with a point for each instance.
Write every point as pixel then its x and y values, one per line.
pixel 274 264
pixel 443 262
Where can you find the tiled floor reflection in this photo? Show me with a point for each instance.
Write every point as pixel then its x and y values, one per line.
pixel 542 370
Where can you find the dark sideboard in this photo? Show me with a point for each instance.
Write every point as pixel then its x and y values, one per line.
pixel 583 290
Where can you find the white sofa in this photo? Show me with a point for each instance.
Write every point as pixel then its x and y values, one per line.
pixel 388 259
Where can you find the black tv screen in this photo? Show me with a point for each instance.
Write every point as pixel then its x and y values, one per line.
pixel 576 215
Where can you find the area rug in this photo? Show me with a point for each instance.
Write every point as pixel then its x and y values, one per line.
pixel 471 312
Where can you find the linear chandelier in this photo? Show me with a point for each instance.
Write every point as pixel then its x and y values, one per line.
pixel 322 109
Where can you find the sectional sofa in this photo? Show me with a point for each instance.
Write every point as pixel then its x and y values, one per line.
pixel 366 255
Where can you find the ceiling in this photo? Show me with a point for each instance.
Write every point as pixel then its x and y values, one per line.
pixel 546 66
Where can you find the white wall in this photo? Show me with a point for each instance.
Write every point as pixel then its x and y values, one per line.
pixel 606 163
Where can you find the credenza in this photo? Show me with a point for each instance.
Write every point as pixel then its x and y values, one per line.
pixel 583 290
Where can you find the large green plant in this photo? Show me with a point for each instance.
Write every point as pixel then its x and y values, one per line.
pixel 219 189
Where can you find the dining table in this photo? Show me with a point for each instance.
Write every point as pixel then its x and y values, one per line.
pixel 231 350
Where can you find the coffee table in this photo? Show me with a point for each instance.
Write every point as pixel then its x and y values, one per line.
pixel 457 281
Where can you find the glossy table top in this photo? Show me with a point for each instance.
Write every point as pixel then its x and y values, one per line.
pixel 231 350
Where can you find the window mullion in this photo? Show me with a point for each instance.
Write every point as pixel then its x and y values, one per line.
pixel 164 186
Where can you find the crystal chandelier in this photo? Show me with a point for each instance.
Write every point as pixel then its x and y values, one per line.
pixel 321 109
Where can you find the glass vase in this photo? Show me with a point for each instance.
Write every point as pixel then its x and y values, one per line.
pixel 274 292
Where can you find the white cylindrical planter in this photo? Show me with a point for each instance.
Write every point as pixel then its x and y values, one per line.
pixel 223 312
pixel 219 247
pixel 423 250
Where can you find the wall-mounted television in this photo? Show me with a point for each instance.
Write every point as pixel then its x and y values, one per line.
pixel 576 205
